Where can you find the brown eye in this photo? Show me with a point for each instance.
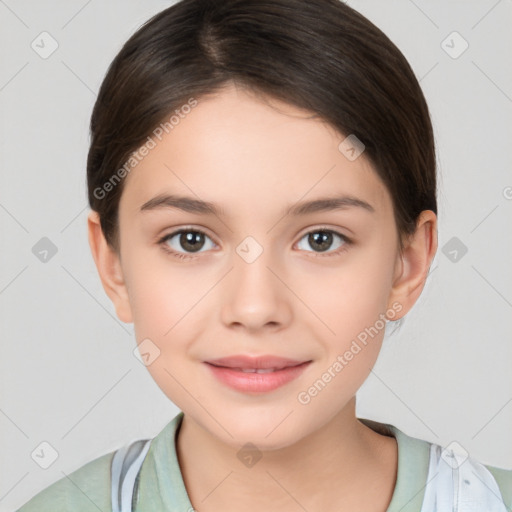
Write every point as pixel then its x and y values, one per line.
pixel 322 240
pixel 185 241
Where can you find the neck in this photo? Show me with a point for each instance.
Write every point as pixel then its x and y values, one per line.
pixel 344 463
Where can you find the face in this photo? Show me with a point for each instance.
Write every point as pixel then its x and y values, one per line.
pixel 249 279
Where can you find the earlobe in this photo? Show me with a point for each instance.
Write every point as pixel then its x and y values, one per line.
pixel 413 265
pixel 109 268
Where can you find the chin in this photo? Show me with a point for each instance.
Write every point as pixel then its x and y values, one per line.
pixel 272 433
pixel 261 440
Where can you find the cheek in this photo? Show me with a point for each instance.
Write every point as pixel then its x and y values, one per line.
pixel 164 309
pixel 353 307
pixel 162 295
pixel 353 298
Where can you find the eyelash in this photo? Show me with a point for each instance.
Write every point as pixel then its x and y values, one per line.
pixel 184 256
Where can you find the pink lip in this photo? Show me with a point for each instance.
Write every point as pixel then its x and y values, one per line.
pixel 244 362
pixel 229 371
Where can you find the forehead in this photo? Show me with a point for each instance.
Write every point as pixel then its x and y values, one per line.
pixel 246 152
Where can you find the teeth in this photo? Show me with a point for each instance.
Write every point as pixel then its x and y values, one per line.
pixel 256 370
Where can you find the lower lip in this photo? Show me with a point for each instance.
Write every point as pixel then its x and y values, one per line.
pixel 257 382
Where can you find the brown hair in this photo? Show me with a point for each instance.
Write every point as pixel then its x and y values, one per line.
pixel 318 55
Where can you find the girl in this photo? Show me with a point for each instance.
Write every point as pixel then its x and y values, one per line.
pixel 262 183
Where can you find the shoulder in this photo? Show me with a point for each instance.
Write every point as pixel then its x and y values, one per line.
pixel 85 489
pixel 503 478
pixel 455 478
pixel 445 475
pixel 454 473
pixel 89 488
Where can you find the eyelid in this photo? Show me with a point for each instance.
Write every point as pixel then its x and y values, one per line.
pixel 324 227
pixel 177 230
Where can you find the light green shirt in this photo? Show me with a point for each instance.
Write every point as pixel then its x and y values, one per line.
pixel 161 486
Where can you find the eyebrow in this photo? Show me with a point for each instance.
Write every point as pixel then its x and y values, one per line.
pixel 198 206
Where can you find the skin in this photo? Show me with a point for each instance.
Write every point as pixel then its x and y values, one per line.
pixel 255 158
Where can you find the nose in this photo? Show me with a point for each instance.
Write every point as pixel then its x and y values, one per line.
pixel 255 295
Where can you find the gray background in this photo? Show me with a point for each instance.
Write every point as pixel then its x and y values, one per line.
pixel 68 374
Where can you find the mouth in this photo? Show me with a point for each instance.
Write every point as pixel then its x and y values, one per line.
pixel 256 374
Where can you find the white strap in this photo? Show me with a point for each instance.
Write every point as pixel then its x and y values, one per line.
pixel 126 464
pixel 457 483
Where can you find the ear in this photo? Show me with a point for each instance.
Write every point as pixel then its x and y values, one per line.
pixel 109 268
pixel 413 264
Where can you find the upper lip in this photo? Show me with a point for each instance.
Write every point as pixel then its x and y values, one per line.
pixel 255 362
